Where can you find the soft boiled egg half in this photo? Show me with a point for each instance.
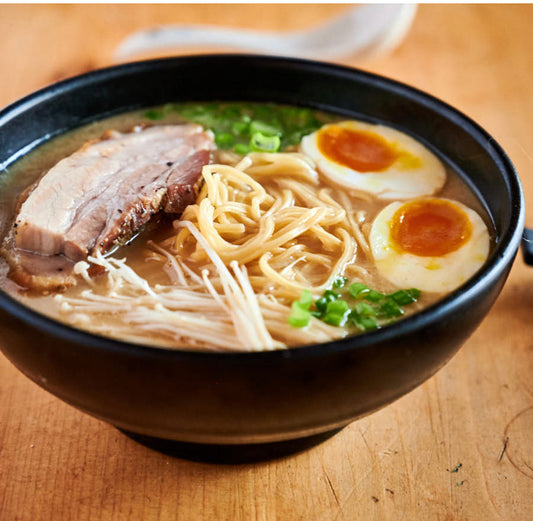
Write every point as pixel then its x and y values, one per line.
pixel 429 243
pixel 375 159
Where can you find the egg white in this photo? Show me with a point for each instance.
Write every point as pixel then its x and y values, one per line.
pixel 438 274
pixel 399 181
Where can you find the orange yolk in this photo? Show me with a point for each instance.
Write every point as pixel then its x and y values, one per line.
pixel 430 228
pixel 358 150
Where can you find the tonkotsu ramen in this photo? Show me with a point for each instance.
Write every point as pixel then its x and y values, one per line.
pixel 236 227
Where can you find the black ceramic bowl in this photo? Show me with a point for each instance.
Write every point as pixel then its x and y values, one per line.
pixel 258 398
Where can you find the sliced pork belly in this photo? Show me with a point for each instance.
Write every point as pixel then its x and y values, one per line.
pixel 103 193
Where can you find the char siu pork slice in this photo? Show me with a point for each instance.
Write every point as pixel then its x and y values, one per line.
pixel 101 195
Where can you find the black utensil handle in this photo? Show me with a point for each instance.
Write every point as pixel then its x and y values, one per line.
pixel 527 246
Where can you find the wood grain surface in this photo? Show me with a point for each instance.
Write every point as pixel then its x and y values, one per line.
pixel 460 447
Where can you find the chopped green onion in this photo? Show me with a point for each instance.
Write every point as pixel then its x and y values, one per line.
pixel 292 138
pixel 321 304
pixel 372 309
pixel 239 128
pixel 330 295
pixel 363 322
pixel 261 143
pixel 306 299
pixel 405 296
pixel 415 293
pixel 337 306
pixel 264 128
pixel 358 289
pixel 340 282
pixel 210 121
pixel 262 111
pixel 231 112
pixel 373 295
pixel 299 317
pixel 366 323
pixel 224 140
pixel 336 311
pixel 245 120
pixel 189 111
pixel 242 149
pixel 154 114
pixel 362 308
pixel 335 319
pixel 390 309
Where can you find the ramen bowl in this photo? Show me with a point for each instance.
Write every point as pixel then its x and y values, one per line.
pixel 278 399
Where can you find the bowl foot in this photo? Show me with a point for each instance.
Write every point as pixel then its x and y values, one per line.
pixel 230 454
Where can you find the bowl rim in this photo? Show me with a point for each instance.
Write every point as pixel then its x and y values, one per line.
pixel 502 255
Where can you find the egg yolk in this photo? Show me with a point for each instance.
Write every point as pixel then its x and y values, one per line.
pixel 430 228
pixel 358 150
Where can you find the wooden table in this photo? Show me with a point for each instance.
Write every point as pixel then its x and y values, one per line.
pixel 460 447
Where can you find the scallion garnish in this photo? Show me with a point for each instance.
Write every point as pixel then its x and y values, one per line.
pixel 373 295
pixel 264 128
pixel 337 306
pixel 154 115
pixel 405 296
pixel 321 304
pixel 299 316
pixel 306 299
pixel 224 140
pixel 390 308
pixel 256 126
pixel 242 149
pixel 358 288
pixel 372 308
pixel 362 308
pixel 335 319
pixel 365 323
pixel 336 312
pixel 340 282
pixel 240 128
pixel 330 295
pixel 260 142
